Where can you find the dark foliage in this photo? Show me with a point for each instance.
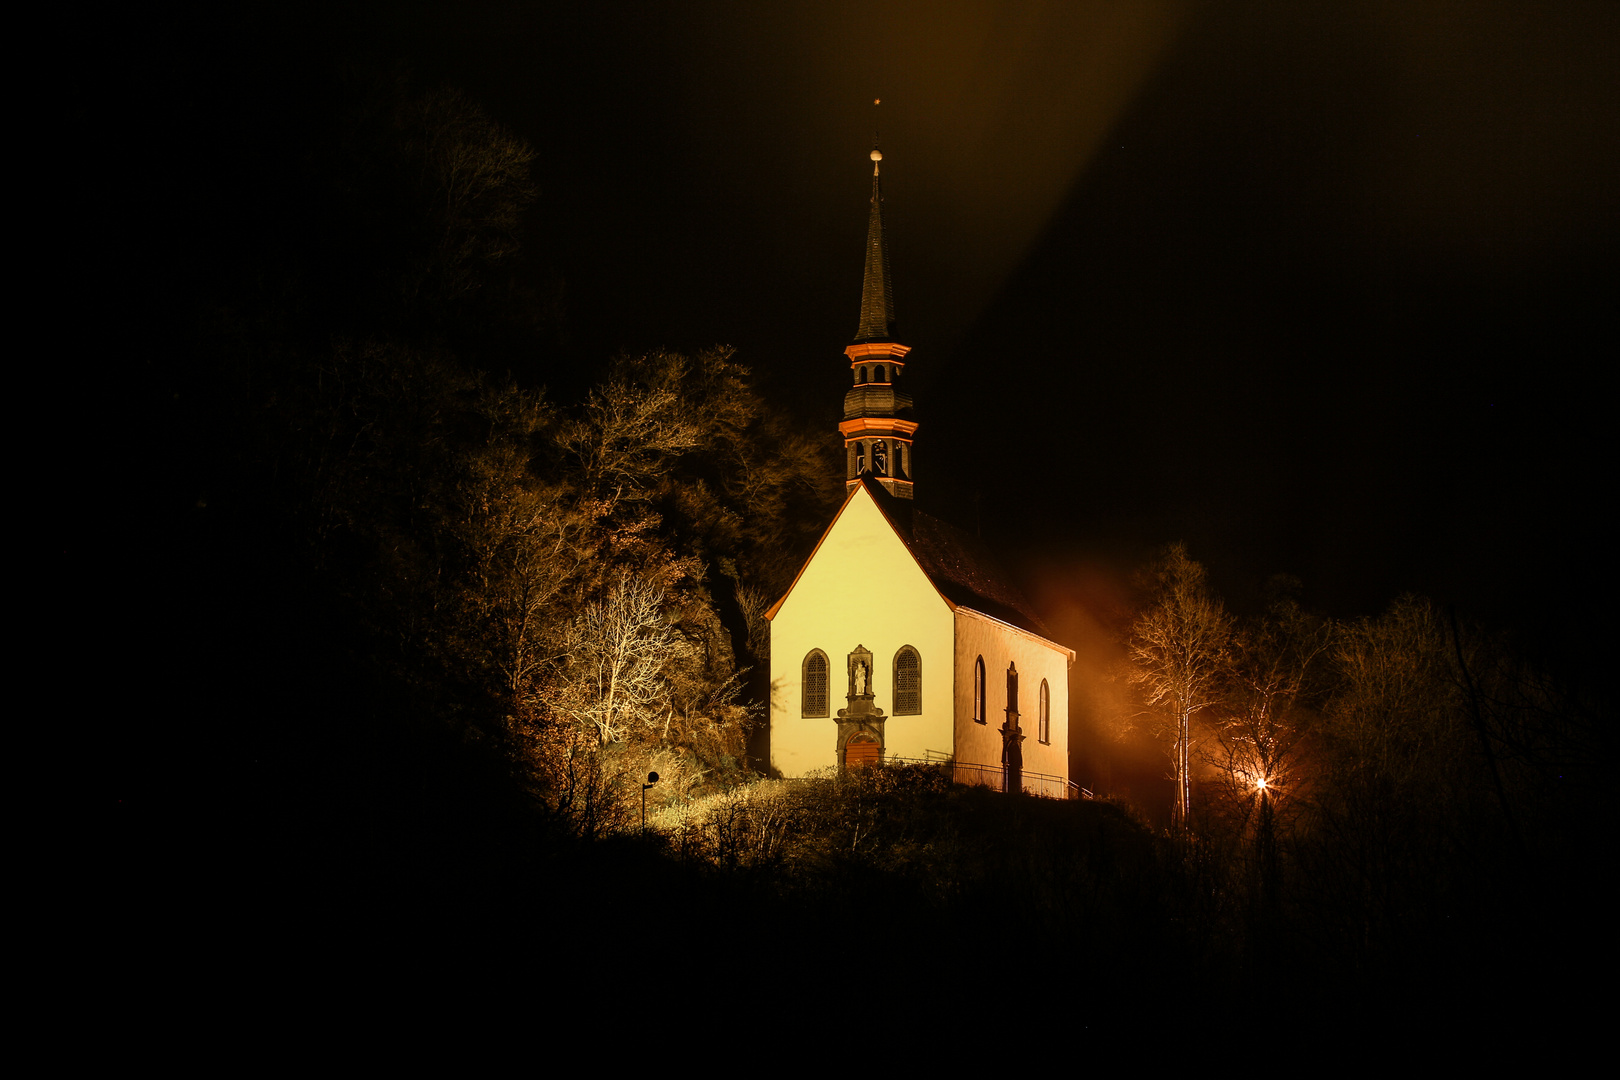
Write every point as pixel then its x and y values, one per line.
pixel 374 565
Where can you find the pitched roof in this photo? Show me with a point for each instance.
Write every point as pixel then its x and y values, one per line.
pixel 960 565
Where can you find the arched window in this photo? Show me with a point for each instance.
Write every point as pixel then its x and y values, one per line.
pixel 882 375
pixel 978 690
pixel 815 683
pixel 863 373
pixel 907 682
pixel 1044 732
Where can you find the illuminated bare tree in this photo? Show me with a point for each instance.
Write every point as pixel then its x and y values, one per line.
pixel 1266 715
pixel 636 424
pixel 1263 724
pixel 616 655
pixel 1181 648
pixel 525 538
pixel 525 573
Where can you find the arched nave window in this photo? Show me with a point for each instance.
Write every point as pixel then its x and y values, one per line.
pixel 978 690
pixel 815 683
pixel 1045 730
pixel 907 682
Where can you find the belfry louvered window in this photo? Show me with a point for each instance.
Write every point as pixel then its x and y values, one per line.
pixel 815 684
pixel 907 682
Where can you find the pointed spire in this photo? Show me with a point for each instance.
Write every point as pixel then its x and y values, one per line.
pixel 877 291
pixel 877 427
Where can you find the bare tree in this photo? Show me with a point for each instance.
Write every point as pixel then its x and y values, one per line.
pixel 1400 793
pixel 642 419
pixel 1181 649
pixel 475 188
pixel 1262 729
pixel 616 654
pixel 526 568
pixel 1266 715
pixel 1398 720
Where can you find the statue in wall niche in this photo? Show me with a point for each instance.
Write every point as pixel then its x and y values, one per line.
pixel 860 677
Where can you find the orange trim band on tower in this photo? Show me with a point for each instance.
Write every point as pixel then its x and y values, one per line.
pixel 850 428
pixel 857 353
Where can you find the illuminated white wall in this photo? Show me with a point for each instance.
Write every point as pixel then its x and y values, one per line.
pixel 861 587
pixel 979 635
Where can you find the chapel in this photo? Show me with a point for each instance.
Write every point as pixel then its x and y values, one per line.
pixel 942 659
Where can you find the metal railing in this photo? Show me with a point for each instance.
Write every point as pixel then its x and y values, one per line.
pixel 1046 785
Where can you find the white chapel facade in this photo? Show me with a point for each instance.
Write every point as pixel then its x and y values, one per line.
pixel 900 638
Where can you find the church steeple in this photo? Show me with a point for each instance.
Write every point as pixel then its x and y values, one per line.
pixel 877 289
pixel 877 428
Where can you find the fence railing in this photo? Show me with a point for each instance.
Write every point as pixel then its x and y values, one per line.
pixel 995 776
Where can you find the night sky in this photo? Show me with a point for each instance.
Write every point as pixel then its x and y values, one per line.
pixel 1316 288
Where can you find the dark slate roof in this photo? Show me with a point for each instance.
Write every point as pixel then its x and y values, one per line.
pixel 960 565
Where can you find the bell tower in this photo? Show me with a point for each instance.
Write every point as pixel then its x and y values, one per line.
pixel 877 426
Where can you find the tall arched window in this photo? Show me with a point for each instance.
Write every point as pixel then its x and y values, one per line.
pixel 907 682
pixel 1044 731
pixel 815 684
pixel 978 690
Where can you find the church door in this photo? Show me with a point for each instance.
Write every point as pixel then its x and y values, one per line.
pixel 862 750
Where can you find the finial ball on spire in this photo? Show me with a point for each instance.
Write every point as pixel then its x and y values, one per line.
pixel 877 155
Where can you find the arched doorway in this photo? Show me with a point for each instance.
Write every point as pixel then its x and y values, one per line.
pixel 862 749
